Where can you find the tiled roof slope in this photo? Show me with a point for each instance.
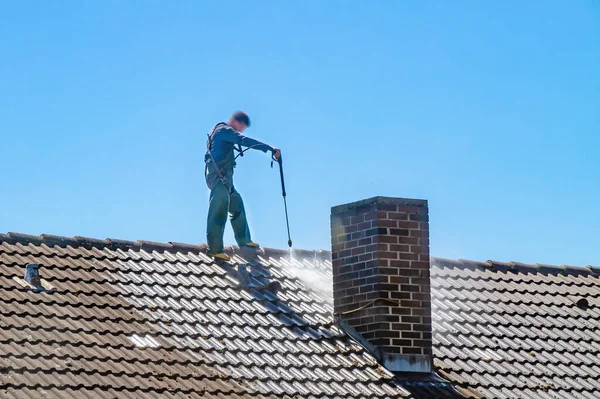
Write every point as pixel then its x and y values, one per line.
pixel 138 319
pixel 500 330
pixel 509 330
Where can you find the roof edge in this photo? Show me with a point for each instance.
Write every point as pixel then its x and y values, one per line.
pixel 516 267
pixel 148 246
pixel 320 255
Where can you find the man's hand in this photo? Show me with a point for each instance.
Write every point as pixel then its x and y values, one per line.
pixel 276 153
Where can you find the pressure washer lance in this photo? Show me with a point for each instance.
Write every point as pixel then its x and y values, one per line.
pixel 287 220
pixel 280 162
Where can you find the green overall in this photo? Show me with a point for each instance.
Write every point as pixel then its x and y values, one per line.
pixel 224 198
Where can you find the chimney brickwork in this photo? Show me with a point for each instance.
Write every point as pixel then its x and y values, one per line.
pixel 380 252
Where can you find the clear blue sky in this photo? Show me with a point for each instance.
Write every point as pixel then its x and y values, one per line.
pixel 488 109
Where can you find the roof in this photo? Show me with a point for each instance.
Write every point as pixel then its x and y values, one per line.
pixel 130 318
pixel 124 319
pixel 511 330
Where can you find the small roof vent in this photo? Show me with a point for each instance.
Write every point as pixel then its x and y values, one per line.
pixel 580 302
pixel 32 274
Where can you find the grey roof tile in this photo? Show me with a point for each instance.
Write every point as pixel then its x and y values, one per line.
pixel 122 310
pixel 125 322
pixel 548 347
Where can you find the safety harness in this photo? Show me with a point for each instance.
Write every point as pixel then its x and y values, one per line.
pixel 212 158
pixel 237 147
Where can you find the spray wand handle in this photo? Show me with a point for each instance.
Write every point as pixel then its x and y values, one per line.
pixel 280 162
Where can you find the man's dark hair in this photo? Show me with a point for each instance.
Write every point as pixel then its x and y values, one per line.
pixel 241 117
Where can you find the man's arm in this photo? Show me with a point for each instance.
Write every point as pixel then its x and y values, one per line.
pixel 232 136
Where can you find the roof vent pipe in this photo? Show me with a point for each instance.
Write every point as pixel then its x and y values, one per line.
pixel 32 274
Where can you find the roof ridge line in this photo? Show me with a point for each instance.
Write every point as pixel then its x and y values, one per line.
pixel 513 266
pixel 89 242
pixel 543 268
pixel 146 245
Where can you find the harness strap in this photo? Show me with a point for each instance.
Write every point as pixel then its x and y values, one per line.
pixel 212 133
pixel 209 150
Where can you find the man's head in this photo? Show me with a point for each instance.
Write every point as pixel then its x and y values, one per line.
pixel 239 121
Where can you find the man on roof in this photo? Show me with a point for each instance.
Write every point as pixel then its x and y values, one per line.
pixel 224 198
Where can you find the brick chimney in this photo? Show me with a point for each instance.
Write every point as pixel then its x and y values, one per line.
pixel 380 253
